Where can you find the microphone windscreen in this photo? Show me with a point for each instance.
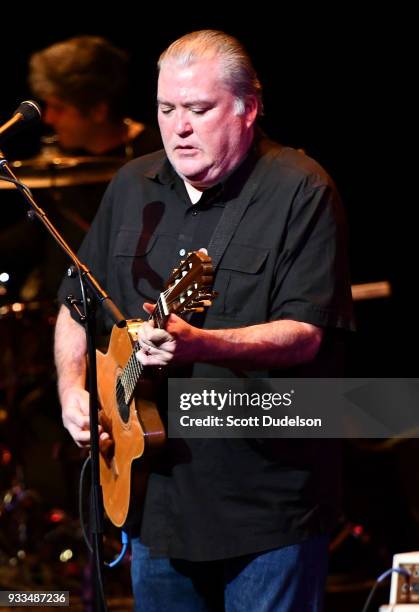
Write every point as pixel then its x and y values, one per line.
pixel 29 110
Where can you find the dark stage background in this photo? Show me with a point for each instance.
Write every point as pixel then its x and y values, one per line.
pixel 330 87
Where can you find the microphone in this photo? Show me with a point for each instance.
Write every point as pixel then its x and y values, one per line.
pixel 27 113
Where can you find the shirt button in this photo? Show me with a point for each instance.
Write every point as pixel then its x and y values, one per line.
pixel 194 212
pixel 182 252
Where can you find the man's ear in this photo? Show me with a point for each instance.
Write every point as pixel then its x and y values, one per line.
pixel 251 110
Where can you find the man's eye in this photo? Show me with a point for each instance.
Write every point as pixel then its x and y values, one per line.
pixel 198 111
pixel 166 110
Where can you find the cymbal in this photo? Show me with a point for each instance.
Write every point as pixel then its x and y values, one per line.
pixel 43 172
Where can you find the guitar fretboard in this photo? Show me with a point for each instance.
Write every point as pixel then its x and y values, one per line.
pixel 133 371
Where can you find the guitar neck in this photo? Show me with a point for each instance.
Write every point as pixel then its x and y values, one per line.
pixel 133 371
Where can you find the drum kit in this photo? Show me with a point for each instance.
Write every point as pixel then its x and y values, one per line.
pixel 36 456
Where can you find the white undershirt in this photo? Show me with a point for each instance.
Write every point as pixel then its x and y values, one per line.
pixel 194 194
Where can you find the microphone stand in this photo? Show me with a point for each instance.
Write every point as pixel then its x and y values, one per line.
pixel 90 287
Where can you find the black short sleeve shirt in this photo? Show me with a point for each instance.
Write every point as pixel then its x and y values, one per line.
pixel 211 499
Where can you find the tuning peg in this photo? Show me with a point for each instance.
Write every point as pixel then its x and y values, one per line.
pixel 208 295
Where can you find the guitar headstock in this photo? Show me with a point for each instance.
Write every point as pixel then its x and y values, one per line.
pixel 189 288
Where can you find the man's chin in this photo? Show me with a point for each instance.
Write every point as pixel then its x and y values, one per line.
pixel 193 174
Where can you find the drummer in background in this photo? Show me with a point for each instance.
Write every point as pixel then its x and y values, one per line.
pixel 83 82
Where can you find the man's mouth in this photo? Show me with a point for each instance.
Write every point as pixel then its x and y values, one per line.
pixel 186 149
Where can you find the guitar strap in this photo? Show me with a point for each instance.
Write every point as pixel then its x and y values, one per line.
pixel 234 211
pixel 228 223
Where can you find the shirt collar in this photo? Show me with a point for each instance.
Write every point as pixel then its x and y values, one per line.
pixel 162 171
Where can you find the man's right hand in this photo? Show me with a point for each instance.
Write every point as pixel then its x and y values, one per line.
pixel 70 359
pixel 75 412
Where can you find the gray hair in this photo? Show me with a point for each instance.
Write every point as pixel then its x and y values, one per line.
pixel 238 72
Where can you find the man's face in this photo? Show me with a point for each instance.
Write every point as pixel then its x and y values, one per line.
pixel 203 136
pixel 72 127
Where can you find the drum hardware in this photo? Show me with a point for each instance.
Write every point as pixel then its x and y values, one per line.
pixel 64 171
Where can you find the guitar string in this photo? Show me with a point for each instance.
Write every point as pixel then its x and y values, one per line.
pixel 133 369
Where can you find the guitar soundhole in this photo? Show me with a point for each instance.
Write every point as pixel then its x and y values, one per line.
pixel 122 405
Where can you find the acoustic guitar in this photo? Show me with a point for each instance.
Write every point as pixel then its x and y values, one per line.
pixel 127 412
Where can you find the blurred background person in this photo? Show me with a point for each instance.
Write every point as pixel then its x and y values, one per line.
pixel 84 85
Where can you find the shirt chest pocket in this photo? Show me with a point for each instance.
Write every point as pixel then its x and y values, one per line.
pixel 143 265
pixel 242 283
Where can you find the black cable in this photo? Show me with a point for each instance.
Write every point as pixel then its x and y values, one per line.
pixel 124 535
pixel 92 550
pixel 18 184
pixel 81 515
pixel 99 576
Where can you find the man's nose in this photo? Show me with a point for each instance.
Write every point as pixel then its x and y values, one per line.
pixel 182 125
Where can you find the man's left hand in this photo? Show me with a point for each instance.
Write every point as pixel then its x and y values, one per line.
pixel 178 343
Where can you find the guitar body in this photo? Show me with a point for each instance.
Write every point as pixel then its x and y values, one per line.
pixel 135 430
